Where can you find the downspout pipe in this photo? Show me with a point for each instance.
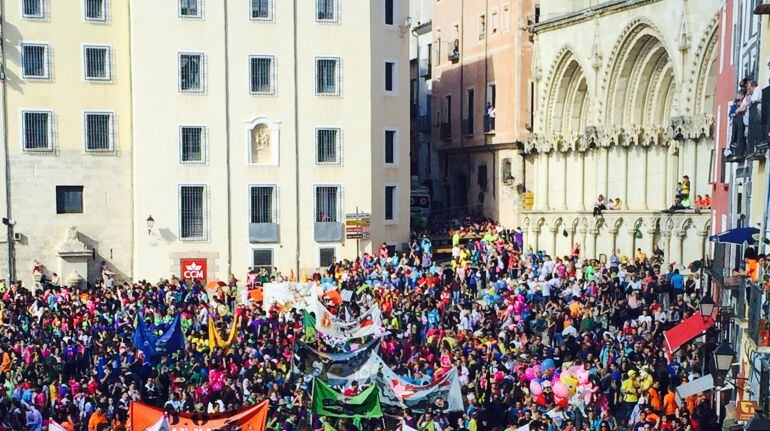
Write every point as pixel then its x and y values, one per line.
pixel 8 219
pixel 227 146
pixel 296 147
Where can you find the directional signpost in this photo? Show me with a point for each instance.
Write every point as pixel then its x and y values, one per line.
pixel 358 226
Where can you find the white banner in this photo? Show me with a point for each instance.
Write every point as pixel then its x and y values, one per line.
pixel 444 394
pixel 287 296
pixel 369 323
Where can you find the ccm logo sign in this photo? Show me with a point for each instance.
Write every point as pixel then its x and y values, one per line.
pixel 193 269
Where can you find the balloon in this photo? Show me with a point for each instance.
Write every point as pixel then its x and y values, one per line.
pixel 561 401
pixel 582 377
pixel 535 388
pixel 540 400
pixel 560 389
pixel 569 381
pixel 589 391
pixel 537 369
pixel 529 374
pixel 548 364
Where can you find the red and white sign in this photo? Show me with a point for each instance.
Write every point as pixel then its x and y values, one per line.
pixel 193 269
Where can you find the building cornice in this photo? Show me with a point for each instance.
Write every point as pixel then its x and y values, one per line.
pixel 582 15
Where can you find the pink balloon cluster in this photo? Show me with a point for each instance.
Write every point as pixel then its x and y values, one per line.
pixel 566 384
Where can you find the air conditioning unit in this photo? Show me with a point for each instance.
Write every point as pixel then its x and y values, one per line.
pixel 17 236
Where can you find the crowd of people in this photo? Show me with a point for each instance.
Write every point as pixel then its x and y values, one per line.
pixel 508 318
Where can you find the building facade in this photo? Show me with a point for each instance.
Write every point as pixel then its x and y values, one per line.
pixel 481 103
pixel 257 126
pixel 68 139
pixel 624 110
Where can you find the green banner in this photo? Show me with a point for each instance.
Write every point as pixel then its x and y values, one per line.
pixel 328 402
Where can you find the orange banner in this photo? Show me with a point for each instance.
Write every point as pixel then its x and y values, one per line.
pixel 254 418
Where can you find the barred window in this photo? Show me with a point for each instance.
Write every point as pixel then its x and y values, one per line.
pixel 191 141
pixel 190 73
pixel 390 202
pixel 32 9
pixel 327 76
pixel 69 199
pixel 262 258
pixel 34 60
pixel 328 146
pixel 98 131
pixel 390 146
pixel 327 10
pixel 96 10
pixel 264 208
pixel 390 12
pixel 262 10
pixel 189 8
pixel 36 128
pixel 97 62
pixel 192 212
pixel 262 75
pixel 327 204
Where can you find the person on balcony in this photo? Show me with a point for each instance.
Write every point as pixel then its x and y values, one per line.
pixel 490 116
pixel 599 206
pixel 755 132
pixel 738 137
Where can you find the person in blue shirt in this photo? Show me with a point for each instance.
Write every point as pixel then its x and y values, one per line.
pixel 677 282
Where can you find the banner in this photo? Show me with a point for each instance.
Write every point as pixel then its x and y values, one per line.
pixel 367 324
pixel 287 296
pixel 328 402
pixel 444 394
pixel 151 345
pixel 336 368
pixel 215 340
pixel 142 416
pixel 308 325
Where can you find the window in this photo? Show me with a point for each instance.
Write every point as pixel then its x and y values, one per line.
pixel 327 76
pixel 191 73
pixel 32 9
pixel 97 63
pixel 37 134
pixel 191 144
pixel 192 212
pixel 69 199
pixel 262 75
pixel 390 79
pixel 327 204
pixel 326 255
pixel 262 10
pixel 506 17
pixel 262 258
pixel 482 27
pixel 98 131
pixel 481 174
pixel 327 10
pixel 264 208
pixel 328 146
pixel 390 12
pixel 34 60
pixel 493 22
pixel 391 147
pixel 190 8
pixel 390 203
pixel 95 10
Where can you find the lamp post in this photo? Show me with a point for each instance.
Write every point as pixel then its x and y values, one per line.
pixel 758 423
pixel 724 355
pixel 706 306
pixel 150 224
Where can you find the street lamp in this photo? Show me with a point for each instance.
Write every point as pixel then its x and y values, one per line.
pixel 724 355
pixel 758 423
pixel 706 306
pixel 150 224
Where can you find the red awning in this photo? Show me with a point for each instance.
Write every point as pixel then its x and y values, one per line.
pixel 690 328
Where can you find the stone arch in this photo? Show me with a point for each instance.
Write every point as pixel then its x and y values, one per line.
pixel 703 80
pixel 262 142
pixel 640 78
pixel 567 103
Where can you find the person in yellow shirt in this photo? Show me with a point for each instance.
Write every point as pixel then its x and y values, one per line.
pixel 629 388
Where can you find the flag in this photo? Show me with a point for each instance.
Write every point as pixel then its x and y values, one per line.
pixel 143 416
pixel 215 340
pixel 443 394
pixel 328 402
pixel 143 339
pixel 161 425
pixel 369 323
pixel 308 322
pixel 288 296
pixel 173 339
pixel 335 368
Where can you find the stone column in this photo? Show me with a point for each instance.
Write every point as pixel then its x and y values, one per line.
pixel 702 239
pixel 625 177
pixel 645 151
pixel 538 178
pixel 650 243
pixel 565 159
pixel 614 233
pixel 632 237
pixel 536 238
pixel 547 179
pixel 677 253
pixel 694 174
pixel 584 244
pixel 667 245
pixel 571 231
pixel 591 246
pixel 555 234
pixel 606 178
pixel 582 192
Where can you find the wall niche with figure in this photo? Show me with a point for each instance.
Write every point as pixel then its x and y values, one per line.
pixel 262 142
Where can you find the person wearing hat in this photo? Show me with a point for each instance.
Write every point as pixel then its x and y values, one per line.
pixel 629 389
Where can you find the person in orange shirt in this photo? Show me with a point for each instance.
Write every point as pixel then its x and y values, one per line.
pixel 654 397
pixel 97 418
pixel 669 402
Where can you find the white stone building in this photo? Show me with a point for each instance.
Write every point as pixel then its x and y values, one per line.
pixel 625 109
